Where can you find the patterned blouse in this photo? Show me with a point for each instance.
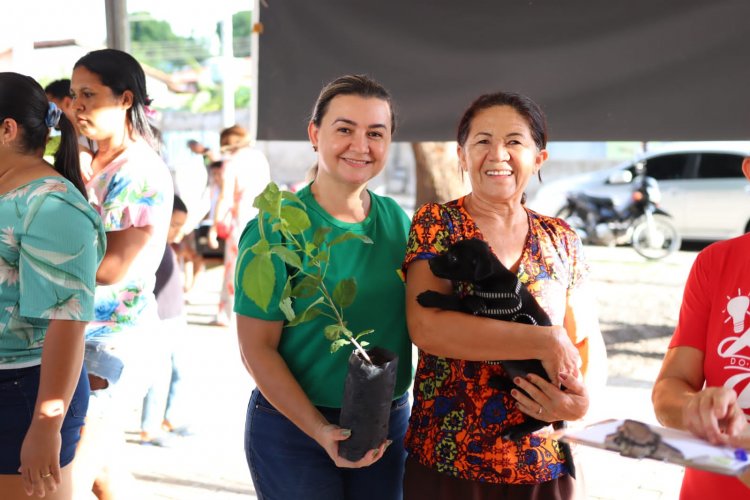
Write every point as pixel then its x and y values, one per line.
pixel 457 419
pixel 51 243
pixel 134 190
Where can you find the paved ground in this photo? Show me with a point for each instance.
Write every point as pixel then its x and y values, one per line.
pixel 638 304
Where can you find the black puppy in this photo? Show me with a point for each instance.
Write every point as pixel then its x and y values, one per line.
pixel 497 293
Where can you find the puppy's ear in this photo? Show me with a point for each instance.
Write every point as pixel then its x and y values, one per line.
pixel 482 266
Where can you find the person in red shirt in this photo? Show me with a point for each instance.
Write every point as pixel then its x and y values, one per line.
pixel 704 383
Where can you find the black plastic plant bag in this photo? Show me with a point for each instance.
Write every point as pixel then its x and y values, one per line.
pixel 366 408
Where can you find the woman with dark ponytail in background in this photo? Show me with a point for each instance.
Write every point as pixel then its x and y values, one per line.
pixel 51 243
pixel 131 190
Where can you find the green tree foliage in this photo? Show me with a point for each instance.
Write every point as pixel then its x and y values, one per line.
pixel 154 43
pixel 210 99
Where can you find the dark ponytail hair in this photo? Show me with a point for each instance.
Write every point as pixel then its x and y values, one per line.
pixel 67 158
pixel 120 71
pixel 24 100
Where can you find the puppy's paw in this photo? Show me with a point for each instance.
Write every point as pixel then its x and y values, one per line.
pixel 431 298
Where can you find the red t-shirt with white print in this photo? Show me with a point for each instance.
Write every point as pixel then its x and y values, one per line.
pixel 715 318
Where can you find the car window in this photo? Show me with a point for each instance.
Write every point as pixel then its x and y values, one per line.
pixel 667 167
pixel 720 166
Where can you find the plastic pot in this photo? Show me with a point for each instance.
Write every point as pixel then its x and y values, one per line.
pixel 366 408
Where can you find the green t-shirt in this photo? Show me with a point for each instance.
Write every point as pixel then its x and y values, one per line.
pixel 379 303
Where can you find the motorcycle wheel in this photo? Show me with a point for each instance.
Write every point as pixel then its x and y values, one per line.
pixel 663 241
pixel 574 221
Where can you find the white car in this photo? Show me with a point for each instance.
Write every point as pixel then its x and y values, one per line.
pixel 704 191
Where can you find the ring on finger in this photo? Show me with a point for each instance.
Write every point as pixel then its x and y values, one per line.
pixel 43 476
pixel 540 410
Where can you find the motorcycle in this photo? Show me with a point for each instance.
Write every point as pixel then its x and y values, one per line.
pixel 640 223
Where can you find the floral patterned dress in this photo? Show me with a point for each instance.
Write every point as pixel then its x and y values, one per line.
pixel 51 243
pixel 457 418
pixel 134 190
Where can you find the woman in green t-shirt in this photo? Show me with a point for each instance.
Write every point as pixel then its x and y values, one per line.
pixel 292 436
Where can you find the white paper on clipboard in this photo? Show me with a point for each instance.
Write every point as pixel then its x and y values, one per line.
pixel 697 453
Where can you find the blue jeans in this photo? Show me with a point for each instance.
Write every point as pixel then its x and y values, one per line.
pixel 165 398
pixel 155 410
pixel 285 463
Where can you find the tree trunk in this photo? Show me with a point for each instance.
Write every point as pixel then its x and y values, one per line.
pixel 438 177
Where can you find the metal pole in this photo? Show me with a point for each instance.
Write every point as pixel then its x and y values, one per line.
pixel 227 73
pixel 118 28
pixel 254 61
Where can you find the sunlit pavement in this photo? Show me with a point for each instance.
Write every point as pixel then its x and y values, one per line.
pixel 211 464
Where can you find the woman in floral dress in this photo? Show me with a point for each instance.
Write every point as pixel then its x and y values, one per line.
pixel 51 242
pixel 454 438
pixel 131 189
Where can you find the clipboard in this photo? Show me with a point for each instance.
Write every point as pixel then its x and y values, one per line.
pixel 634 439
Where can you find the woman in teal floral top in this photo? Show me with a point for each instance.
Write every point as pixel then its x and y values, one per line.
pixel 51 243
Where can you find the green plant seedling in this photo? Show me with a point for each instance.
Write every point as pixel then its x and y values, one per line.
pixel 307 257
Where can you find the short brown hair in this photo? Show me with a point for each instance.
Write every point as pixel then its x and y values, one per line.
pixel 359 85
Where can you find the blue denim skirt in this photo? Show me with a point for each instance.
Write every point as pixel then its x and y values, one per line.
pixel 18 391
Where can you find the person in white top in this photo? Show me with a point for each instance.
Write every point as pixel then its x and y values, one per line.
pixel 246 174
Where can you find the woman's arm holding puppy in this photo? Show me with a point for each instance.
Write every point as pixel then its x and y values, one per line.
pixel 443 333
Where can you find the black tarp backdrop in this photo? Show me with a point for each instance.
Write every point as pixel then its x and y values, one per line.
pixel 602 70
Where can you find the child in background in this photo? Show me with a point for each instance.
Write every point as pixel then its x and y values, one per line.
pixel 162 403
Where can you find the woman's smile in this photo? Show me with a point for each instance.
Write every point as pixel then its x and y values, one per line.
pixel 356 163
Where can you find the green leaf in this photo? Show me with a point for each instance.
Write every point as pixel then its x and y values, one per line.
pixel 307 287
pixel 285 304
pixel 333 332
pixel 364 343
pixel 335 346
pixel 269 200
pixel 350 236
pixel 258 280
pixel 309 313
pixel 309 247
pixel 363 333
pixel 287 291
pixel 289 196
pixel 345 291
pixel 320 235
pixel 321 256
pixel 288 256
pixel 295 219
pixel 260 247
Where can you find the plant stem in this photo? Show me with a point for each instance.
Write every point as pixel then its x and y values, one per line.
pixel 340 321
pixel 360 350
